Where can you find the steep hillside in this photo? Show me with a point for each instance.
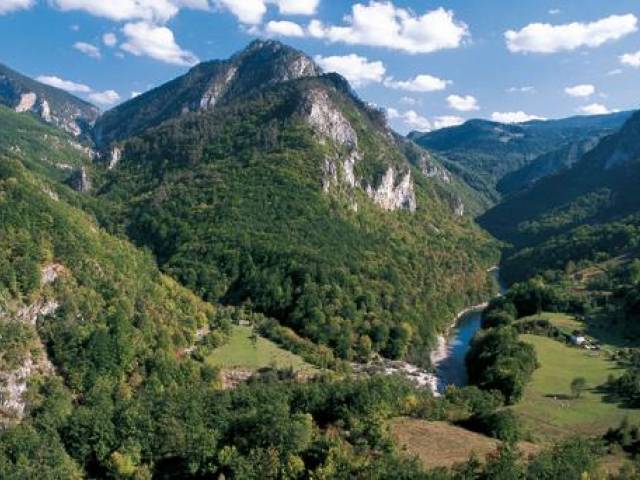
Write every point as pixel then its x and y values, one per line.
pixel 96 379
pixel 50 104
pixel 295 198
pixel 593 201
pixel 483 152
pixel 545 165
pixel 204 87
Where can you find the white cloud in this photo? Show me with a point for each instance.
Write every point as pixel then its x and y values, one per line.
pixel 247 11
pixel 447 121
pixel 631 59
pixel 514 117
pixel 465 103
pixel 7 6
pixel 108 97
pixel 109 39
pixel 555 11
pixel 408 101
pixel 284 28
pixel 251 12
pixel 525 89
pixel 594 109
pixel 585 90
pixel 156 42
pixel 67 85
pixel 382 24
pixel 358 70
pixel 119 10
pixel 87 49
pixel 411 119
pixel 547 38
pixel 420 83
pixel 615 71
pixel 135 94
pixel 297 7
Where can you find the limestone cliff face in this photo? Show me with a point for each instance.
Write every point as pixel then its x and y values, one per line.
pixel 431 169
pixel 14 378
pixel 395 190
pixel 217 88
pixel 328 121
pixel 394 196
pixel 80 180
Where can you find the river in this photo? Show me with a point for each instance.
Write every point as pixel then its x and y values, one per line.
pixel 449 358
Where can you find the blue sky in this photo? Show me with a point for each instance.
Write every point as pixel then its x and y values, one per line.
pixel 430 63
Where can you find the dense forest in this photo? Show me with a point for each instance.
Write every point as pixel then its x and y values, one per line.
pixel 247 225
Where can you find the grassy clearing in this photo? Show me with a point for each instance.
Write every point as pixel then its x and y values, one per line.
pixel 548 410
pixel 241 351
pixel 566 323
pixel 440 444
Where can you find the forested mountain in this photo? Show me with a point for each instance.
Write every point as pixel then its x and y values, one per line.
pixel 545 165
pixel 294 197
pixel 580 212
pixel 484 152
pixel 204 87
pixel 50 104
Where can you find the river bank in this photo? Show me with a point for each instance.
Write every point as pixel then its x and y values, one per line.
pixel 447 358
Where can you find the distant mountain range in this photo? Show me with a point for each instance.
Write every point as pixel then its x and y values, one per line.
pixel 51 104
pixel 497 159
pixel 599 190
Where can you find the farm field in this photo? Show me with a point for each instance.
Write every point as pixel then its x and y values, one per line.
pixel 241 352
pixel 547 409
pixel 440 444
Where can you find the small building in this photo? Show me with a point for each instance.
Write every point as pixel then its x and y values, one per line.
pixel 578 339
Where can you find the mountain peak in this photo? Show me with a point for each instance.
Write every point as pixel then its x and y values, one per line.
pixel 261 64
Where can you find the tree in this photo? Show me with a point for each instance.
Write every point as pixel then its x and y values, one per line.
pixel 578 385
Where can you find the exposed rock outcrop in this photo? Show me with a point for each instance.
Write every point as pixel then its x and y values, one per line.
pixel 457 205
pixel 27 101
pixel 327 120
pixel 431 169
pixel 217 88
pixel 114 157
pixel 80 180
pixel 392 196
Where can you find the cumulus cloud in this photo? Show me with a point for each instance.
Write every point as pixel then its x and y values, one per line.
pixel 514 117
pixel 251 12
pixel 135 94
pixel 284 28
pixel 631 59
pixel 87 49
pixel 585 90
pixel 247 11
pixel 594 109
pixel 411 119
pixel 7 6
pixel 297 7
pixel 420 83
pixel 547 38
pixel 67 85
pixel 109 39
pixel 108 97
pixel 120 10
pixel 465 103
pixel 157 42
pixel 447 121
pixel 382 24
pixel 358 70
